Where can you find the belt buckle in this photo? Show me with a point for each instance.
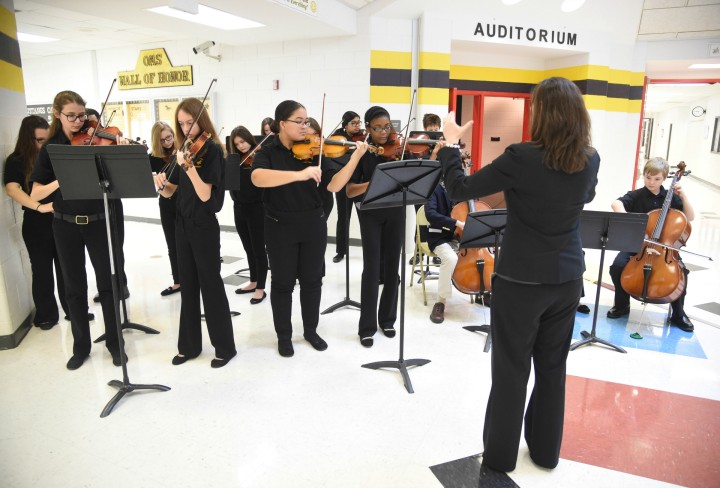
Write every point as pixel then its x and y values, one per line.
pixel 82 220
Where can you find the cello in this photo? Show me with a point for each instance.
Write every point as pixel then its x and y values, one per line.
pixel 656 274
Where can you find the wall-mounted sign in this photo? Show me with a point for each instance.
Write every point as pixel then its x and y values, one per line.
pixel 529 34
pixel 154 70
pixel 309 7
pixel 43 110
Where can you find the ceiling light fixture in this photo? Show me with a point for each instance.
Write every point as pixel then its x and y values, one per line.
pixel 210 17
pixel 705 66
pixel 571 5
pixel 22 37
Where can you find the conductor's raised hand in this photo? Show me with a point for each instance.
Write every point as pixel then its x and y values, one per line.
pixel 453 132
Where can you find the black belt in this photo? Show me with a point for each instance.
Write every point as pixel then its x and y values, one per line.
pixel 79 219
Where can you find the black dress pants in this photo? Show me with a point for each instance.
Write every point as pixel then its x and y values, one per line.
pixel 344 211
pixel 71 241
pixel 37 232
pixel 382 235
pixel 198 248
pixel 528 322
pixel 250 225
pixel 622 299
pixel 168 214
pixel 296 244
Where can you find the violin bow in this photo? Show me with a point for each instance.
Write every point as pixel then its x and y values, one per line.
pixel 407 127
pixel 102 111
pixel 322 138
pixel 258 146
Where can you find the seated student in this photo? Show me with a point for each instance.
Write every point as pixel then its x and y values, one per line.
pixel 643 200
pixel 441 240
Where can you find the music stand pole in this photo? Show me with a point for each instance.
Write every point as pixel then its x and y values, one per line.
pixel 419 177
pixel 346 302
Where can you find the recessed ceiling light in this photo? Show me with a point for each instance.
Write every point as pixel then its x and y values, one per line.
pixel 571 5
pixel 210 17
pixel 705 66
pixel 22 37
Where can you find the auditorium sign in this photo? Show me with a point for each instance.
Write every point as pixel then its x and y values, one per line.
pixel 529 34
pixel 154 70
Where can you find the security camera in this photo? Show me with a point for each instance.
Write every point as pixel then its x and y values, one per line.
pixel 204 47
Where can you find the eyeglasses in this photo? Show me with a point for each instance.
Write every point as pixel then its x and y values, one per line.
pixel 387 128
pixel 354 123
pixel 73 117
pixel 39 140
pixel 306 123
pixel 167 139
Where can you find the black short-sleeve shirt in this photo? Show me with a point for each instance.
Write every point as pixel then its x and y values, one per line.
pixel 643 200
pixel 210 165
pixel 13 173
pixel 299 196
pixel 44 174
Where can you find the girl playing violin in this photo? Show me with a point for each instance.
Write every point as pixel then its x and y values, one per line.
pixel 79 225
pixel 250 217
pixel 382 234
pixel 197 177
pixel 295 227
pixel 37 222
pixel 351 129
pixel 162 151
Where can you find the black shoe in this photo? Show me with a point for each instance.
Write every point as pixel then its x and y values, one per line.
pixel 366 341
pixel 414 260
pixel 219 363
pixel 683 323
pixel 255 301
pixel 169 291
pixel 47 325
pixel 615 312
pixel 582 308
pixel 437 260
pixel 240 291
pixel 285 348
pixel 388 330
pixel 91 317
pixel 75 362
pixel 338 257
pixel 177 360
pixel 316 341
pixel 116 358
pixel 484 299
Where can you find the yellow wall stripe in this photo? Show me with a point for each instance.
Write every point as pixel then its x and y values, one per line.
pixel 7 22
pixel 390 59
pixel 487 73
pixel 433 96
pixel 598 102
pixel 390 94
pixel 430 60
pixel 11 77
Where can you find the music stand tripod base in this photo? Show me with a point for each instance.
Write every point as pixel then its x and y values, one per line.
pixel 400 365
pixel 126 388
pixel 589 338
pixel 485 328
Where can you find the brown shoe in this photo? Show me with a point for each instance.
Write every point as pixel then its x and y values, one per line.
pixel 438 313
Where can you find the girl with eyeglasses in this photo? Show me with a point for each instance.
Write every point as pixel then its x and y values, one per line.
pixel 200 187
pixel 295 227
pixel 162 151
pixel 37 222
pixel 79 225
pixel 250 217
pixel 381 231
pixel 350 127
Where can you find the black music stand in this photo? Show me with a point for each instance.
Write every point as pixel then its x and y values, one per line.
pixel 609 231
pixel 105 172
pixel 345 302
pixel 484 229
pixel 399 184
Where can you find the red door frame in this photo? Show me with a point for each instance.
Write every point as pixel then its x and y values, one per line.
pixel 659 81
pixel 478 122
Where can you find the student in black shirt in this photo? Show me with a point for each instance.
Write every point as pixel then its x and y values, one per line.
pixel 350 127
pixel 382 234
pixel 37 222
pixel 643 200
pixel 295 227
pixel 250 217
pixel 162 152
pixel 78 225
pixel 199 182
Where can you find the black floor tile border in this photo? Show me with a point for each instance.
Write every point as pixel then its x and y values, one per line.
pixel 469 473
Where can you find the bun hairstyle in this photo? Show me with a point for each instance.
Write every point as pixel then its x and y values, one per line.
pixel 282 112
pixel 373 113
pixel 347 117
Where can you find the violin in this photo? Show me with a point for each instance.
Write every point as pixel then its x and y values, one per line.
pixel 333 147
pixel 360 136
pixel 101 136
pixel 247 162
pixel 392 149
pixel 656 274
pixel 306 150
pixel 191 148
pixel 421 146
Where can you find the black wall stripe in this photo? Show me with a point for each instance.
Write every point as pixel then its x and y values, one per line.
pixel 433 78
pixel 10 50
pixel 389 77
pixel 636 92
pixel 495 86
pixel 611 90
